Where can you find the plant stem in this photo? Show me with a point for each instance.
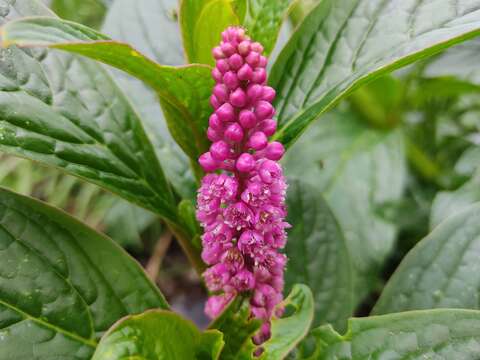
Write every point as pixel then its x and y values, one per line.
pixel 153 266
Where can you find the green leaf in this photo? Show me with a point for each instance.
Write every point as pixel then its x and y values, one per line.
pixel 183 91
pixel 442 271
pixel 448 203
pixel 289 330
pixel 343 44
pixel 318 255
pixel 71 115
pixel 62 285
pixel 416 335
pixel 87 12
pixel 238 328
pixel 158 334
pixel 151 27
pixel 357 170
pixel 264 19
pixel 202 22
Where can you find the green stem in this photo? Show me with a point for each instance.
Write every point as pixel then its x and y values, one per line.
pixel 421 162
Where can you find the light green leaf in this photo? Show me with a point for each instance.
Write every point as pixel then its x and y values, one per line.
pixel 202 22
pixel 264 19
pixel 87 12
pixel 289 330
pixel 152 28
pixel 183 91
pixel 66 111
pixel 318 255
pixel 447 203
pixel 62 285
pixel 158 334
pixel 442 271
pixel 357 170
pixel 416 335
pixel 343 44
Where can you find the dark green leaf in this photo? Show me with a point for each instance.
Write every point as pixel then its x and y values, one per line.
pixel 238 328
pixel 202 22
pixel 318 255
pixel 357 169
pixel 151 26
pixel 442 271
pixel 158 334
pixel 289 330
pixel 87 12
pixel 343 44
pixel 183 91
pixel 264 19
pixel 416 335
pixel 62 285
pixel 67 112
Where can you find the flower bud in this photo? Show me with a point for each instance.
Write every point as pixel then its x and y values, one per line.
pixel 227 49
pixel 253 58
pixel 234 132
pixel 231 80
pixel 257 47
pixel 259 76
pixel 226 112
pixel 245 73
pixel 258 140
pixel 268 126
pixel 254 92
pixel 263 110
pixel 213 135
pixel 244 48
pixel 207 162
pixel 214 102
pixel 247 119
pixel 268 94
pixel 219 150
pixel 274 151
pixel 217 75
pixel 235 61
pixel 245 163
pixel 222 65
pixel 221 92
pixel 238 98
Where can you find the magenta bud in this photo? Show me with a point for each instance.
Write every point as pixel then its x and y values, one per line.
pixel 253 58
pixel 263 110
pixel 258 140
pixel 268 93
pixel 247 119
pixel 214 122
pixel 254 92
pixel 222 65
pixel 259 76
pixel 221 92
pixel 214 102
pixel 238 98
pixel 274 151
pixel 240 32
pixel 207 162
pixel 245 163
pixel 227 49
pixel 244 48
pixel 268 126
pixel 245 72
pixel 257 47
pixel 213 135
pixel 226 112
pixel 235 61
pixel 217 75
pixel 263 62
pixel 230 79
pixel 234 132
pixel 218 53
pixel 219 150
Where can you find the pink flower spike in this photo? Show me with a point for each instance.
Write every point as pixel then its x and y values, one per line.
pixel 219 150
pixel 245 163
pixel 234 133
pixel 258 141
pixel 274 151
pixel 247 119
pixel 207 162
pixel 238 98
pixel 225 112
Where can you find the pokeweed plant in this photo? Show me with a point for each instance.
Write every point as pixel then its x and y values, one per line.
pixel 68 292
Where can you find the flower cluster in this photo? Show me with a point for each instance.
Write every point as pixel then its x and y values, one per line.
pixel 241 202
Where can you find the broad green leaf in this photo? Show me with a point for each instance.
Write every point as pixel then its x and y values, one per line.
pixel 415 335
pixel 357 170
pixel 447 203
pixel 202 22
pixel 66 111
pixel 151 27
pixel 158 334
pixel 318 255
pixel 264 19
pixel 183 91
pixel 342 44
pixel 62 285
pixel 469 162
pixel 87 12
pixel 290 329
pixel 442 271
pixel 237 328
